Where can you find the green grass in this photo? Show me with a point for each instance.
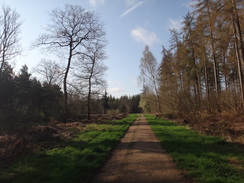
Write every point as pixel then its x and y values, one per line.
pixel 207 159
pixel 76 161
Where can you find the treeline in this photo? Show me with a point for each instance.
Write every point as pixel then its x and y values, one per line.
pixel 124 104
pixel 202 71
pixel 25 101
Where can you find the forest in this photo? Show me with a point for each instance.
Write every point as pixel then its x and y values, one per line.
pixel 200 77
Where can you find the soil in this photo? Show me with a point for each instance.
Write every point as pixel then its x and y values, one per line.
pixel 140 158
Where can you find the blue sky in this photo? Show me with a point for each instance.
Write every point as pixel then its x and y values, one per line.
pixel 129 25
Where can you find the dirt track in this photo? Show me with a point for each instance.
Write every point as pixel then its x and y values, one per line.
pixel 139 158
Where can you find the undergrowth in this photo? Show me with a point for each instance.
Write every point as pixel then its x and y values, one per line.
pixel 75 160
pixel 207 159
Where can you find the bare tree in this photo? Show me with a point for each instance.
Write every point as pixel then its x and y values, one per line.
pixel 9 35
pixel 70 31
pixel 50 70
pixel 90 71
pixel 149 73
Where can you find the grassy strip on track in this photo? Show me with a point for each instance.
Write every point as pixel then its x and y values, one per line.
pixel 76 161
pixel 207 159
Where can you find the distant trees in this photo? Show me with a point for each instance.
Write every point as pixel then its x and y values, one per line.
pixel 10 24
pixel 70 33
pixel 105 101
pixel 124 104
pixel 50 71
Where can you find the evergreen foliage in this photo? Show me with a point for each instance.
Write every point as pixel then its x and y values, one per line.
pixel 25 100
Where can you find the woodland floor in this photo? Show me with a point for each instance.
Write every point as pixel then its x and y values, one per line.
pixel 139 158
pixel 39 137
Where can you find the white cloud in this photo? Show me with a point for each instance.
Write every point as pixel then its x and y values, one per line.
pixel 142 35
pixel 115 90
pixel 96 2
pixel 131 9
pixel 175 24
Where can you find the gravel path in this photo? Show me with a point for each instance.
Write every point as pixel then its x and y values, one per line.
pixel 139 158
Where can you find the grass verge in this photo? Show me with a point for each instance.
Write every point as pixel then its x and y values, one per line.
pixel 206 159
pixel 75 161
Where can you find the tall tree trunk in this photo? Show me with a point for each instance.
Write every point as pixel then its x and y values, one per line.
pixel 158 102
pixel 206 76
pixel 66 109
pixel 157 95
pixel 215 64
pixel 215 68
pixel 89 89
pixel 238 30
pixel 225 72
pixel 206 82
pixel 2 65
pixel 239 48
pixel 196 81
pixel 89 101
pixel 240 73
pixel 179 69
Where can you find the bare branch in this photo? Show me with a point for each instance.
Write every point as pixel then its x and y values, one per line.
pixel 9 35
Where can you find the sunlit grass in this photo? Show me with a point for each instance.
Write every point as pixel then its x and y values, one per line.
pixel 205 158
pixel 76 161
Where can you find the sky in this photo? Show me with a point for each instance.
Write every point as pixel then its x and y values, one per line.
pixel 130 25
